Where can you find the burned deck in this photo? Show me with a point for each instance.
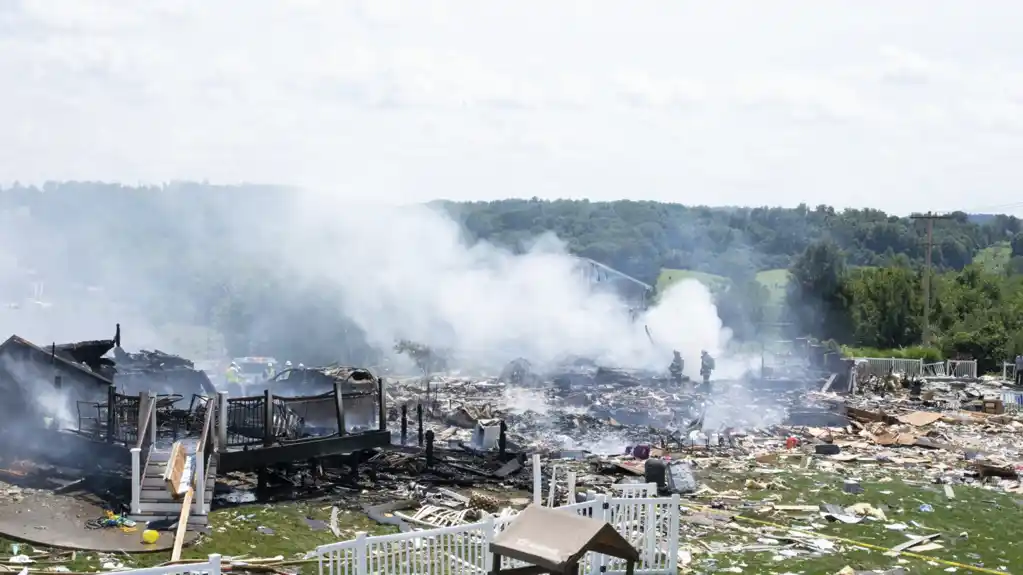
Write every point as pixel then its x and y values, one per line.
pixel 236 459
pixel 253 432
pixel 268 429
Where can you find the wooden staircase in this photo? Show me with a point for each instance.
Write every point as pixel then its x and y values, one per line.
pixel 156 502
pixel 151 497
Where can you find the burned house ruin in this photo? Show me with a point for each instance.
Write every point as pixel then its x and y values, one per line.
pixel 125 412
pixel 43 387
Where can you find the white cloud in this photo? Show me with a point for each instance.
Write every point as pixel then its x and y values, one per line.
pixel 642 89
pixel 803 96
pixel 902 66
pixel 633 102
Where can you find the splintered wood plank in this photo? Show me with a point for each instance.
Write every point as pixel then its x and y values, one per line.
pixel 175 468
pixel 179 535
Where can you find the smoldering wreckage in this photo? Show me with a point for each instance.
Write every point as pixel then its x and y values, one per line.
pixel 153 444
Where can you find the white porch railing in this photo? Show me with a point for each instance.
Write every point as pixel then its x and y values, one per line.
pixel 937 369
pixel 146 438
pixel 1012 401
pixel 886 365
pixel 964 368
pixel 636 490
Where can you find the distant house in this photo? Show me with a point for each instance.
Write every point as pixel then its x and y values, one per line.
pixel 633 291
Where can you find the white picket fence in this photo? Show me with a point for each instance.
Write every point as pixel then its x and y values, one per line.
pixel 650 524
pixel 912 367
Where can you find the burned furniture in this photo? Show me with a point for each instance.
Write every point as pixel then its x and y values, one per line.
pixel 553 541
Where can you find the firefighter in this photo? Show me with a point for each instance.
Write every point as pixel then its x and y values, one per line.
pixel 675 369
pixel 706 366
pixel 233 374
pixel 269 372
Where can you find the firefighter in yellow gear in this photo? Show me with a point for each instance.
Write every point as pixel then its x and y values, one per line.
pixel 233 374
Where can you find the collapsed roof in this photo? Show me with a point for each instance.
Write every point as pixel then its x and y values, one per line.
pixel 73 358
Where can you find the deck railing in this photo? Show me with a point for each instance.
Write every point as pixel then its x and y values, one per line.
pixel 143 447
pixel 205 450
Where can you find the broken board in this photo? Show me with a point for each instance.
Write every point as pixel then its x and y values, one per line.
pixel 179 535
pixel 178 474
pixel 175 467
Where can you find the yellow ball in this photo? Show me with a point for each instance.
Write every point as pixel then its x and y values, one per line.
pixel 150 536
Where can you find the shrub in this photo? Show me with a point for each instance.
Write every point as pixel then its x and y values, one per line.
pixel 928 354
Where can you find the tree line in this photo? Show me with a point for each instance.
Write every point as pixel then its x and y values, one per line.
pixel 975 313
pixel 640 238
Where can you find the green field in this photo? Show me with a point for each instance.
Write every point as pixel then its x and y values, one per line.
pixel 994 258
pixel 775 281
pixel 670 276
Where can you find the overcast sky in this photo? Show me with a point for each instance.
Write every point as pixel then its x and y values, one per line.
pixel 900 105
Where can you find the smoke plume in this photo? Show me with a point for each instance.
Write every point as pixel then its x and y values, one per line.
pixel 399 273
pixel 45 403
pixel 408 273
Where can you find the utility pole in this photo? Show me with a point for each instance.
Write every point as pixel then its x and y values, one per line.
pixel 929 217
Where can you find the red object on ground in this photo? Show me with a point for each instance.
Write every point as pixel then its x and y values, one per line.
pixel 791 443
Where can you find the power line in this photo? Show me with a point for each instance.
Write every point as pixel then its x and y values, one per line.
pixel 929 217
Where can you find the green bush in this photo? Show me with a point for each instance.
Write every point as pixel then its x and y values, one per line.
pixel 928 354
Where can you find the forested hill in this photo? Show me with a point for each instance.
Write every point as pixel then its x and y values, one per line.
pixel 641 238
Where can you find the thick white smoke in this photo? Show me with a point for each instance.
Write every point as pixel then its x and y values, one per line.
pixel 399 272
pixel 407 273
pixel 36 386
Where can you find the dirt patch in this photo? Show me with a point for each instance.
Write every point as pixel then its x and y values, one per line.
pixel 51 520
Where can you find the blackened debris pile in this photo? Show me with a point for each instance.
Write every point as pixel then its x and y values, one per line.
pixel 159 372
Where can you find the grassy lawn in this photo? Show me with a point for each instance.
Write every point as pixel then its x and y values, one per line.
pixel 776 281
pixel 994 258
pixel 978 527
pixel 668 277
